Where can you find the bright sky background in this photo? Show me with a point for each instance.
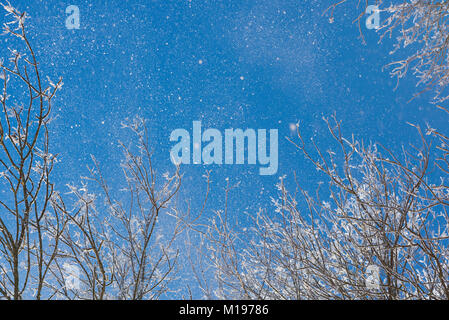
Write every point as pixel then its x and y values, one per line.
pixel 242 64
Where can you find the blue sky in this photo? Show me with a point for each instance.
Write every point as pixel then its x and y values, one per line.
pixel 241 64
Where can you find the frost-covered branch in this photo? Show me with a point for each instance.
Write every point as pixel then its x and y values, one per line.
pixel 125 249
pixel 380 212
pixel 30 223
pixel 421 29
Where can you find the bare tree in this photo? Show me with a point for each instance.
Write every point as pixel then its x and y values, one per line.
pixel 28 213
pixel 380 231
pixel 422 26
pixel 91 243
pixel 124 249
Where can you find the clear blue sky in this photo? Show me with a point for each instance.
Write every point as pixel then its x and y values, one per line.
pixel 242 64
pixel 265 64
